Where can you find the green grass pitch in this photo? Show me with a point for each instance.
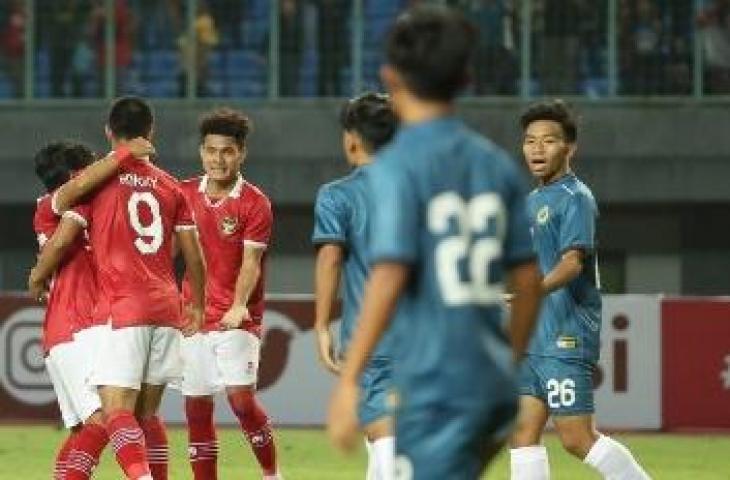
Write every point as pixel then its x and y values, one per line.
pixel 27 452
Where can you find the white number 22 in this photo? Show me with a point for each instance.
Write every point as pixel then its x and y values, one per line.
pixel 149 238
pixel 472 219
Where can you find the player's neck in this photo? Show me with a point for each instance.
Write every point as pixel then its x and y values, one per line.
pixel 559 174
pixel 416 111
pixel 220 188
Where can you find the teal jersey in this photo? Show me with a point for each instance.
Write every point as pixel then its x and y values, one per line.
pixel 451 205
pixel 341 216
pixel 563 216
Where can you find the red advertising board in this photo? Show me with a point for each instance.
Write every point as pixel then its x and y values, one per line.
pixel 696 364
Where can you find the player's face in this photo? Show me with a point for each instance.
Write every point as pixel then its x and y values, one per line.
pixel 546 150
pixel 222 157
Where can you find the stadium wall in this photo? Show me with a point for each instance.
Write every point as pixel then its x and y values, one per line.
pixel 665 365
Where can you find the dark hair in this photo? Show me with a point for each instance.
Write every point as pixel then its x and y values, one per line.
pixel 431 48
pixel 226 122
pixel 130 117
pixel 371 116
pixel 554 110
pixel 55 162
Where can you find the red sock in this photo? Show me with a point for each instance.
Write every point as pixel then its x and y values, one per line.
pixel 255 425
pixel 202 442
pixel 84 456
pixel 127 440
pixel 157 449
pixel 59 468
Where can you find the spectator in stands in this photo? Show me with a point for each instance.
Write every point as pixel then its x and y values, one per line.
pixel 124 35
pixel 643 34
pixel 495 62
pixel 714 21
pixel 333 45
pixel 206 39
pixel 558 46
pixel 228 16
pixel 12 46
pixel 291 42
pixel 65 20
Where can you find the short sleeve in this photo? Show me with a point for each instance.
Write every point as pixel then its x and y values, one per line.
pixel 518 247
pixel 81 214
pixel 258 224
pixel 394 229
pixel 184 214
pixel 578 224
pixel 330 217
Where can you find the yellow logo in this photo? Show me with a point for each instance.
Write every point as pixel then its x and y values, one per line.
pixel 229 225
pixel 565 341
pixel 543 215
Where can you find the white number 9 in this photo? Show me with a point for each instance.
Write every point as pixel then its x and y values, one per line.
pixel 149 237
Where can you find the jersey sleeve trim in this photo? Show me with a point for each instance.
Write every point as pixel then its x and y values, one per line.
pixel 75 216
pixel 183 228
pixel 578 246
pixel 54 206
pixel 42 239
pixel 254 244
pixel 328 238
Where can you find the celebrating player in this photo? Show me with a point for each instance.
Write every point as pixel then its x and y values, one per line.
pixel 69 325
pixel 341 222
pixel 556 377
pixel 234 223
pixel 449 231
pixel 131 222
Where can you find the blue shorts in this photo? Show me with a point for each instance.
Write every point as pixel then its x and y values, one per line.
pixel 375 385
pixel 564 384
pixel 449 442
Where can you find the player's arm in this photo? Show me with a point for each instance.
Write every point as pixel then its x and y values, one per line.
pixel 51 256
pixel 248 277
pixel 327 273
pixel 524 283
pixel 96 174
pixel 386 283
pixel 567 270
pixel 189 245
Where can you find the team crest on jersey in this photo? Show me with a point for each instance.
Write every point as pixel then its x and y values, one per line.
pixel 543 215
pixel 229 225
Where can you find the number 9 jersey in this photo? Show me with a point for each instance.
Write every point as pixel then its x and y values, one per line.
pixel 131 221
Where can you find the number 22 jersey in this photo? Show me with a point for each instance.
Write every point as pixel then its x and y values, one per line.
pixel 131 221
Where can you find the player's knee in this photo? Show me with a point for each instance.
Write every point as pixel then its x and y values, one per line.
pixel 524 434
pixel 577 443
pixel 96 418
pixel 199 409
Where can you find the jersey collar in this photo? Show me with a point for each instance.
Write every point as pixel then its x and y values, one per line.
pixel 235 191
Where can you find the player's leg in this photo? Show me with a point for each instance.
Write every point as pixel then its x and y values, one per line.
pixel 570 397
pixel 92 437
pixel 528 457
pixel 200 382
pixel 118 368
pixel 375 417
pixel 237 356
pixel 164 365
pixel 372 471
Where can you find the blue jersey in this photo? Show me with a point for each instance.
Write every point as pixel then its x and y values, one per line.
pixel 449 204
pixel 341 216
pixel 563 216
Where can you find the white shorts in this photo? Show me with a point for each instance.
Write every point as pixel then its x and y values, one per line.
pixel 214 360
pixel 130 356
pixel 69 365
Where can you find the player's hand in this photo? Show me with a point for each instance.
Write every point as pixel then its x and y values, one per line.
pixel 326 351
pixel 234 317
pixel 342 426
pixel 38 288
pixel 140 148
pixel 194 317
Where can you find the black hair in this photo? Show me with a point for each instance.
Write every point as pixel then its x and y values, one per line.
pixel 554 110
pixel 371 116
pixel 226 122
pixel 431 48
pixel 55 162
pixel 130 117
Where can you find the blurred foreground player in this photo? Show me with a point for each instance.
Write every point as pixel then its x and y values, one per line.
pixel 449 231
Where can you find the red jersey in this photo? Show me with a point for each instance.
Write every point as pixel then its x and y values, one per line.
pixel 243 217
pixel 73 293
pixel 131 223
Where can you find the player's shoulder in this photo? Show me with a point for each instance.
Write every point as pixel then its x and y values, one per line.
pixel 191 184
pixel 252 194
pixel 43 209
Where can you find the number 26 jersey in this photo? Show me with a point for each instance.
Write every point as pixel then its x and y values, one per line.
pixel 131 221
